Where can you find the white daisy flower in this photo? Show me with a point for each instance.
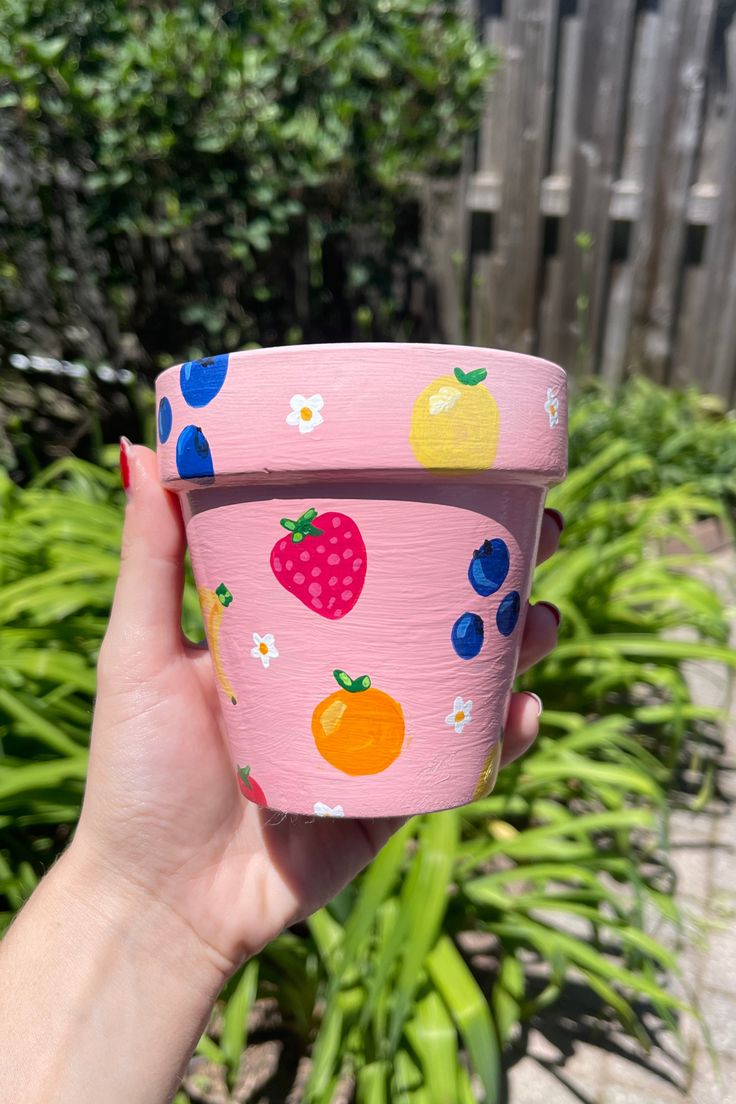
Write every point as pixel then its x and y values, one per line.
pixel 552 407
pixel 443 400
pixel 461 714
pixel 305 413
pixel 265 648
pixel 322 810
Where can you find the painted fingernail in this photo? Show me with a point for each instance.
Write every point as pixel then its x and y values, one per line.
pixel 125 446
pixel 537 701
pixel 556 516
pixel 553 610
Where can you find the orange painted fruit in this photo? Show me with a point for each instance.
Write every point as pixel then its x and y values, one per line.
pixel 358 729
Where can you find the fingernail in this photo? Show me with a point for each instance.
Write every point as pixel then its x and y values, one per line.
pixel 553 610
pixel 556 516
pixel 125 445
pixel 537 701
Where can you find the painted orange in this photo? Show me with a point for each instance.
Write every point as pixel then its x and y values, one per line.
pixel 359 733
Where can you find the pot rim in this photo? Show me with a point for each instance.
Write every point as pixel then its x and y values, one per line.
pixel 247 418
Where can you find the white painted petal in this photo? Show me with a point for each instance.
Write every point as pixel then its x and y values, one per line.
pixel 266 659
pixel 458 703
pixel 268 638
pixel 297 402
pixel 294 418
pixel 273 651
pixel 323 810
pixel 450 718
pixel 256 653
pixel 468 708
pixel 317 419
pixel 315 402
pixel 257 639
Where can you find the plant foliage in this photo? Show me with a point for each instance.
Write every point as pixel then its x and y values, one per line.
pixel 562 871
pixel 208 174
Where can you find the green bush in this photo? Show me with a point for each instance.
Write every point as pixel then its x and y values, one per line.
pixel 379 983
pixel 198 176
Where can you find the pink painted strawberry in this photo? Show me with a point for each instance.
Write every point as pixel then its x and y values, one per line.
pixel 322 562
pixel 249 787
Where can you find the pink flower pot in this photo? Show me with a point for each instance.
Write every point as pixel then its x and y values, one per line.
pixel 363 521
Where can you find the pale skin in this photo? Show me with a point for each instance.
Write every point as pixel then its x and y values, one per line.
pixel 109 973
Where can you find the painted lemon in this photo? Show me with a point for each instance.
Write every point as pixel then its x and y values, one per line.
pixel 358 729
pixel 454 424
pixel 487 777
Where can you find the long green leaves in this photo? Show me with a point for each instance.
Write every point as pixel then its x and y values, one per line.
pixel 558 867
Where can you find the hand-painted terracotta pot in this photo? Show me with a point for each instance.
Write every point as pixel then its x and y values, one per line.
pixel 362 521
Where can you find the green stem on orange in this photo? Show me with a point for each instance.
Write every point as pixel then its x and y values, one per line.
pixel 302 527
pixel 470 379
pixel 354 686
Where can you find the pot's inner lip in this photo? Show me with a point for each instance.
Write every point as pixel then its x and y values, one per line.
pixel 519 361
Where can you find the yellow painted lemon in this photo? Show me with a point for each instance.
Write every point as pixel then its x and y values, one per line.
pixel 454 424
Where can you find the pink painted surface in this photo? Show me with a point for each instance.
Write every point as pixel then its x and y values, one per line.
pixel 394 550
pixel 369 394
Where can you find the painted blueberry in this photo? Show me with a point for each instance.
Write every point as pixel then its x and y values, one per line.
pixel 467 635
pixel 200 380
pixel 489 567
pixel 508 613
pixel 193 456
pixel 165 420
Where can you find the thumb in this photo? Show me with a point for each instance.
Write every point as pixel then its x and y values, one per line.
pixel 145 622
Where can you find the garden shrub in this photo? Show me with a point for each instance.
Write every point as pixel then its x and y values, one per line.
pixel 185 177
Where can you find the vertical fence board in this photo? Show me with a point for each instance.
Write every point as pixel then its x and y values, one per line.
pixel 678 173
pixel 528 65
pixel 716 325
pixel 569 60
pixel 607 32
pixel 638 168
pixel 600 114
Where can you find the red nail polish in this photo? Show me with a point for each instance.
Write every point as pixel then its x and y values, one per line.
pixel 556 516
pixel 125 463
pixel 553 610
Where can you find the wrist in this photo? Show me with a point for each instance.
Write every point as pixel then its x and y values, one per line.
pixel 151 931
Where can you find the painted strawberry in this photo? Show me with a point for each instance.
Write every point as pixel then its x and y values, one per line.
pixel 322 562
pixel 249 787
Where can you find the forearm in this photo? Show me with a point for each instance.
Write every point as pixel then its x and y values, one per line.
pixel 103 992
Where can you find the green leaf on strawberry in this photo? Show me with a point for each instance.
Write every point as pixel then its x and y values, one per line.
pixel 302 527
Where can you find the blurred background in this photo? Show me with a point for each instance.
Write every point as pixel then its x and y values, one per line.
pixel 551 176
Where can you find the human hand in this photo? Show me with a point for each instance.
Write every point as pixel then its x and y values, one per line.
pixel 162 813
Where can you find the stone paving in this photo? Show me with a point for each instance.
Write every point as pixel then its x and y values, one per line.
pixel 566 1058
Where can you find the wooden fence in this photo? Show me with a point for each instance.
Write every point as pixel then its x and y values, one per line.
pixel 594 221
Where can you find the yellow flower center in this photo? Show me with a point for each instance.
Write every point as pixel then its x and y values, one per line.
pixel 459 717
pixel 553 409
pixel 263 648
pixel 305 414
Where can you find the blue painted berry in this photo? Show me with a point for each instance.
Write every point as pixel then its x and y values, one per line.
pixel 508 613
pixel 165 420
pixel 489 567
pixel 467 635
pixel 201 380
pixel 193 456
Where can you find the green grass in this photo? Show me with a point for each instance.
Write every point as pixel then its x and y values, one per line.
pixel 376 984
